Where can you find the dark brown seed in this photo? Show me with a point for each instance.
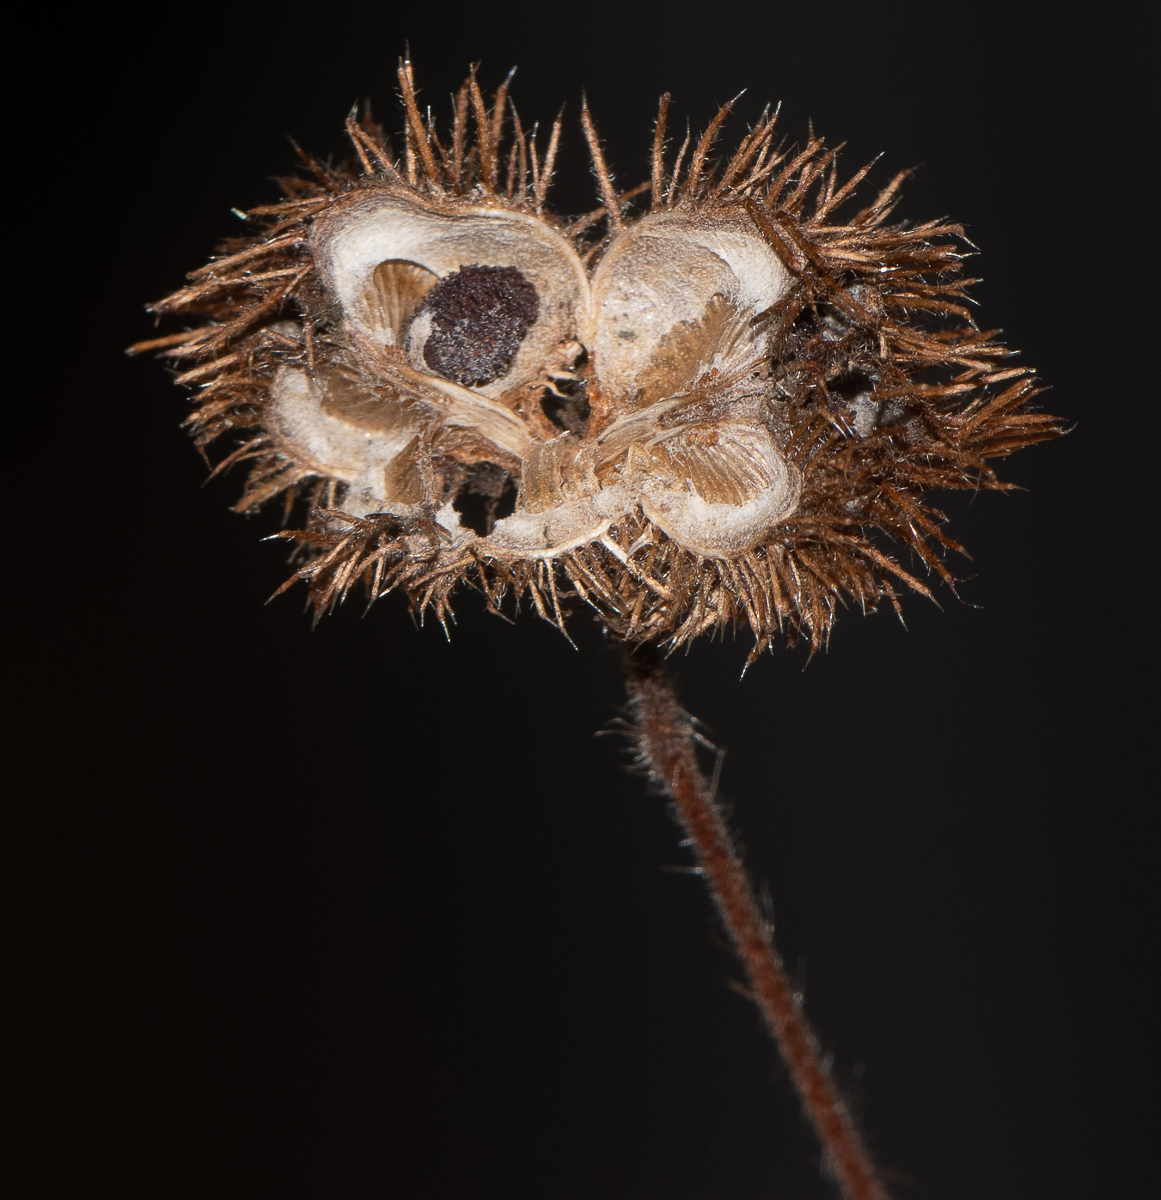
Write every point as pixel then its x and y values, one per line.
pixel 479 318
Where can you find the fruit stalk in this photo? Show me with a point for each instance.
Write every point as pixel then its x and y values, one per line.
pixel 666 744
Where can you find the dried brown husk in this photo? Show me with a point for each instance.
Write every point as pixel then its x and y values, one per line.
pixel 889 390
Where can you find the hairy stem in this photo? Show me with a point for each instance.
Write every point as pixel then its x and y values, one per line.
pixel 666 741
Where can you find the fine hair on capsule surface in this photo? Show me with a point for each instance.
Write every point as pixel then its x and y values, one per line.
pixel 721 398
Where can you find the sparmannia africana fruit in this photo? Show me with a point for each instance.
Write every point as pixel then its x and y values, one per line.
pixel 719 410
pixel 720 398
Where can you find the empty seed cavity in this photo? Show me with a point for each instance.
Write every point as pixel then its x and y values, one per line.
pixel 487 495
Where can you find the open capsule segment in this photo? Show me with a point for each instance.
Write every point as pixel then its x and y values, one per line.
pixel 470 344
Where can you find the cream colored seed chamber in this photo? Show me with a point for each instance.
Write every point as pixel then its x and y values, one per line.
pixel 662 338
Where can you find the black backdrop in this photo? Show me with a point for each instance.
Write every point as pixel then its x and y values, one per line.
pixel 362 911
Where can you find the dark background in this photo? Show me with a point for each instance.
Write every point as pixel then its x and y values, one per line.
pixel 361 911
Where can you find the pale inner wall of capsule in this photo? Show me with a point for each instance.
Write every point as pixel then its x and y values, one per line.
pixel 665 271
pixel 335 446
pixel 666 322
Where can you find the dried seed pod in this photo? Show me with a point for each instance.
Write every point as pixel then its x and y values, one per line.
pixel 699 415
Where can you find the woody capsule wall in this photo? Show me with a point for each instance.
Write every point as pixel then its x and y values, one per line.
pixel 355 904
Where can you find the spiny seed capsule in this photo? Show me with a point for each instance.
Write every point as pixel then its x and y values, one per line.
pixel 716 404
